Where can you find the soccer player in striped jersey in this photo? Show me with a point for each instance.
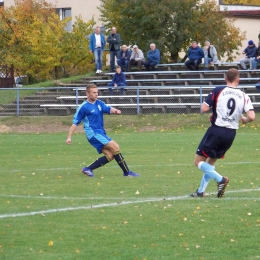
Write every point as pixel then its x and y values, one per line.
pixel 91 113
pixel 228 104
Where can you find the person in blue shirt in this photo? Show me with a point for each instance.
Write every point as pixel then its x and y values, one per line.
pixel 195 55
pixel 250 51
pixel 91 113
pixel 124 58
pixel 153 58
pixel 117 81
pixel 97 44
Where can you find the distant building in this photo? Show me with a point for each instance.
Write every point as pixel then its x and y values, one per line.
pixel 247 17
pixel 84 8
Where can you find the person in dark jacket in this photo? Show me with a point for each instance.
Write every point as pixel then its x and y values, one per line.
pixel 250 51
pixel 114 47
pixel 257 58
pixel 124 58
pixel 117 81
pixel 195 55
pixel 153 57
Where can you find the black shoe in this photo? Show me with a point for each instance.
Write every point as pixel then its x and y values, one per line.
pixel 222 186
pixel 197 194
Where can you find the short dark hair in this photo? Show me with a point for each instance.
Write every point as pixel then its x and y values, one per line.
pixel 90 86
pixel 232 74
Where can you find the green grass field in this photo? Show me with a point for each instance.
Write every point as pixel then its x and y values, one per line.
pixel 50 210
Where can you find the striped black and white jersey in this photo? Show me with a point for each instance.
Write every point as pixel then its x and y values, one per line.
pixel 227 105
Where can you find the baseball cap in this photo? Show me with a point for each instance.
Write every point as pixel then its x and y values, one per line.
pixel 135 46
pixel 250 42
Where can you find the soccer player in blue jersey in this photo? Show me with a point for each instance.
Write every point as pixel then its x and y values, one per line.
pixel 91 113
pixel 227 103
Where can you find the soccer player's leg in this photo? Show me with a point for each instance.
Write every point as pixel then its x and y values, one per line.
pixel 214 145
pixel 113 147
pixel 98 141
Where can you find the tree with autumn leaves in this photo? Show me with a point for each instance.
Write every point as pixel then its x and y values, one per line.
pixel 35 41
pixel 241 2
pixel 172 25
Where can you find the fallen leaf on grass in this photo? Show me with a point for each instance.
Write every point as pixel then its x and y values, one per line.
pixel 137 192
pixel 50 243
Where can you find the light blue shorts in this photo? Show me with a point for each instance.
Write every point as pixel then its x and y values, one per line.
pixel 99 141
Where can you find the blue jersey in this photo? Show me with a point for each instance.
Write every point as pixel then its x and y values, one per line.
pixel 227 105
pixel 92 117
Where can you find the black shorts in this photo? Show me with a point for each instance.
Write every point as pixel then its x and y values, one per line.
pixel 216 141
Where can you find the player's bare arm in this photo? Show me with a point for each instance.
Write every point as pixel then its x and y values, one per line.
pixel 249 118
pixel 204 108
pixel 115 111
pixel 71 131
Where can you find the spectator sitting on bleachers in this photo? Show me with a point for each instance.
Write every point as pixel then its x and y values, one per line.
pixel 153 58
pixel 258 85
pixel 117 81
pixel 250 52
pixel 257 58
pixel 210 55
pixel 137 58
pixel 195 55
pixel 124 58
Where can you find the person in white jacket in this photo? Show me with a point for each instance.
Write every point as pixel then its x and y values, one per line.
pixel 137 58
pixel 210 55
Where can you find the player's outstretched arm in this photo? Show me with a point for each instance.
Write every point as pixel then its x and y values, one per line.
pixel 115 111
pixel 249 118
pixel 204 108
pixel 71 131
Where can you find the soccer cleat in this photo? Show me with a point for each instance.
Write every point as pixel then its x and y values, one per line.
pixel 197 194
pixel 222 186
pixel 88 172
pixel 131 174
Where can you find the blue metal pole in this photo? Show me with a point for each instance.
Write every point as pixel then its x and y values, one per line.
pixel 137 101
pixel 200 99
pixel 77 97
pixel 17 102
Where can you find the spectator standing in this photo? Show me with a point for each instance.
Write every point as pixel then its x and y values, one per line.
pixel 97 43
pixel 210 55
pixel 195 55
pixel 137 58
pixel 117 81
pixel 114 47
pixel 250 51
pixel 124 58
pixel 257 58
pixel 153 57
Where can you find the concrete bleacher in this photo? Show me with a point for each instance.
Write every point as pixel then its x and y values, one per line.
pixel 163 91
pixel 216 66
pixel 169 81
pixel 186 100
pixel 178 74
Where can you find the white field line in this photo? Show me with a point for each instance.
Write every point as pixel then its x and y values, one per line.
pixel 114 204
pixel 136 165
pixel 99 198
